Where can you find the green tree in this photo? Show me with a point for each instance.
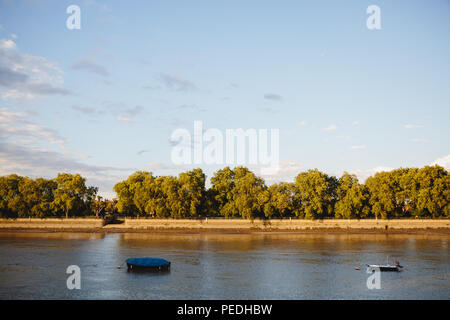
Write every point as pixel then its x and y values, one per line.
pixel 11 202
pixel 317 192
pixel 248 193
pixel 127 190
pixel 281 200
pixel 111 206
pixel 37 196
pixel 238 192
pixel 352 198
pixel 72 194
pixel 99 205
pixel 191 192
pixel 433 198
pixel 382 194
pixel 222 185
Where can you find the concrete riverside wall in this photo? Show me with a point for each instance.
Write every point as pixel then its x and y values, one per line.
pixel 51 223
pixel 89 224
pixel 285 224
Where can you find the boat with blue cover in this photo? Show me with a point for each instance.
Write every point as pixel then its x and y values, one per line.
pixel 148 264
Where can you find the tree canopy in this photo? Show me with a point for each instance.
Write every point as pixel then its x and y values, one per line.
pixel 64 195
pixel 235 192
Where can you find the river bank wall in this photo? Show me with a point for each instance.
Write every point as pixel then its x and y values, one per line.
pixel 229 225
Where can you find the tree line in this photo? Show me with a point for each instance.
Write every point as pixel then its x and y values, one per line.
pixel 64 196
pixel 238 192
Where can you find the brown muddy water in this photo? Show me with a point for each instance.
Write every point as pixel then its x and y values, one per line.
pixel 224 266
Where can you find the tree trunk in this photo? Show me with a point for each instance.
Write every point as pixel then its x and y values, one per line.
pixel 67 214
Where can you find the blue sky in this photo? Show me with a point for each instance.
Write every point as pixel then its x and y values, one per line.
pixel 104 100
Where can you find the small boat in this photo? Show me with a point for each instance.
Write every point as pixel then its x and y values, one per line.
pixel 387 267
pixel 148 264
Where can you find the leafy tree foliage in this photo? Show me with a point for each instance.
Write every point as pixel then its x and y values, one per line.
pixel 99 205
pixel 317 193
pixel 39 198
pixel 352 198
pixel 433 193
pixel 237 192
pixel 72 194
pixel 142 194
pixel 282 200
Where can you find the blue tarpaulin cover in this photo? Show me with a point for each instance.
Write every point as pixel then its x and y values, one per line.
pixel 147 262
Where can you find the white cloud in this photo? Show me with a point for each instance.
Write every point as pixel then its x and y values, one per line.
pixel 363 174
pixel 17 125
pixel 303 123
pixel 358 147
pixel 288 170
pixel 86 110
pixel 355 123
pixel 17 95
pixel 90 66
pixel 443 162
pixel 27 148
pixel 24 76
pixel 37 162
pixel 154 166
pixel 419 140
pixel 413 126
pixel 123 118
pixel 273 97
pixel 176 83
pixel 129 114
pixel 6 44
pixel 330 128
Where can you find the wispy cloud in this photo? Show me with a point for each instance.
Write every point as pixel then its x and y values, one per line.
pixel 358 147
pixel 419 140
pixel 273 97
pixel 153 166
pixel 24 76
pixel 288 170
pixel 191 107
pixel 443 162
pixel 129 114
pixel 26 149
pixel 17 125
pixel 141 152
pixel 176 83
pixel 87 110
pixel 330 128
pixel 413 126
pixel 90 66
pixel 363 174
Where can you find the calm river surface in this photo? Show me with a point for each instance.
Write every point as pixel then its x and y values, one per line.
pixel 223 266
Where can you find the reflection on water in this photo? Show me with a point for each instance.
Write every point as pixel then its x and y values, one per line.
pixel 223 266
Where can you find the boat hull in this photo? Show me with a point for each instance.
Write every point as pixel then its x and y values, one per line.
pixel 164 268
pixel 148 264
pixel 384 268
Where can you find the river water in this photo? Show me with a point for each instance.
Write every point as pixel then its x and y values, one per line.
pixel 224 266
